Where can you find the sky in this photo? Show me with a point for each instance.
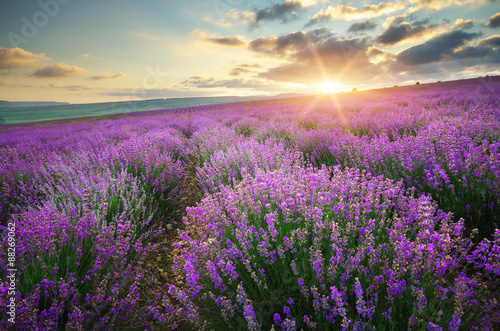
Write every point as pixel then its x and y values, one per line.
pixel 118 50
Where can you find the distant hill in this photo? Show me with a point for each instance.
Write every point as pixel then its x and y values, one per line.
pixel 4 103
pixel 24 112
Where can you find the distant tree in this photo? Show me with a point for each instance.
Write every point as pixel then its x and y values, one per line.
pixel 395 86
pixel 417 83
pixel 355 89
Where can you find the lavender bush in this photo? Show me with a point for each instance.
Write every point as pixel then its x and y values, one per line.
pixel 324 249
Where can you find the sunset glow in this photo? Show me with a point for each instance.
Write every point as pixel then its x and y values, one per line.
pixel 96 51
pixel 329 87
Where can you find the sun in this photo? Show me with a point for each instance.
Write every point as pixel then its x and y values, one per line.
pixel 328 87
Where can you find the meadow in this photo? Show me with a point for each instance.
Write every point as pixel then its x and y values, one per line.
pixel 355 211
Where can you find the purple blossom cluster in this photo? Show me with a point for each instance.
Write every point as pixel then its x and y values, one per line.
pixel 225 167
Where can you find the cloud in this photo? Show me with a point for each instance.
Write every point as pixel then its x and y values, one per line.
pixel 236 41
pixel 462 24
pixel 108 76
pixel 439 4
pixel 17 57
pixel 59 70
pixel 483 52
pixel 284 12
pixel 402 31
pixel 73 87
pixel 233 18
pixel 348 13
pixel 200 82
pixel 238 71
pixel 244 68
pixel 90 57
pixel 494 21
pixel 492 41
pixel 249 65
pixel 435 49
pixel 289 43
pixel 317 56
pixel 320 55
pixel 361 27
pixel 470 52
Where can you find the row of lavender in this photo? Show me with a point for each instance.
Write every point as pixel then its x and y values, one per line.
pixel 331 213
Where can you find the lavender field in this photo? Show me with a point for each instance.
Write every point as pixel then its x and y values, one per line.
pixel 357 211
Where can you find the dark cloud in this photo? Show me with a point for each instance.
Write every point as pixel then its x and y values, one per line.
pixel 282 11
pixel 435 49
pixel 317 56
pixel 493 42
pixel 236 41
pixel 401 31
pixel 470 52
pixel 361 27
pixel 289 43
pixel 479 55
pixel 333 51
pixel 494 21
pixel 227 41
pixel 487 50
pixel 320 55
pixel 59 70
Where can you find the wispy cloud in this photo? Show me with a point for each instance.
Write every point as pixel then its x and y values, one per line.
pixel 108 76
pixel 59 70
pixel 244 68
pixel 201 82
pixel 17 57
pixel 91 57
pixel 235 41
pixel 348 13
pixel 233 18
pixel 73 87
pixel 440 4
